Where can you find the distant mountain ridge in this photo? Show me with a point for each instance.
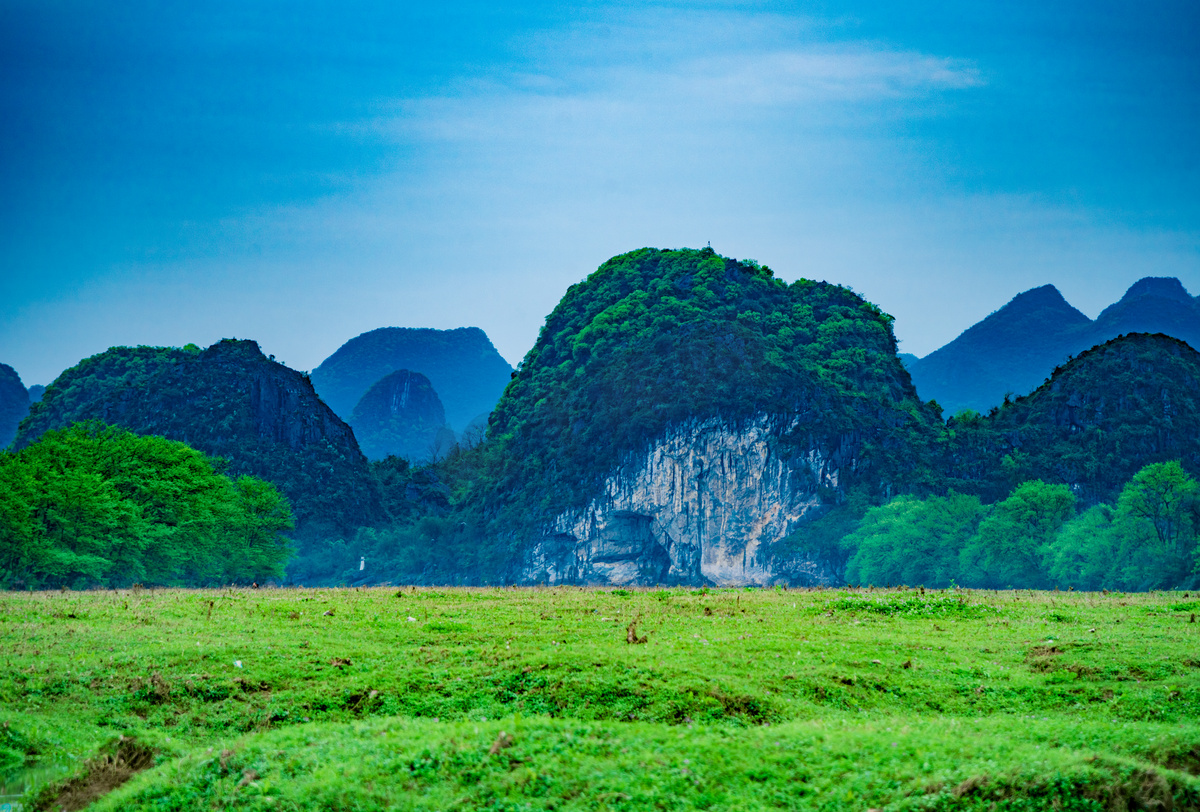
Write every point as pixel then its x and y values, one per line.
pixel 228 401
pixel 1016 348
pixel 466 371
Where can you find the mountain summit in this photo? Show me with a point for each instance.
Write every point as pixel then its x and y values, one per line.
pixel 462 365
pixel 1016 348
pixel 1011 351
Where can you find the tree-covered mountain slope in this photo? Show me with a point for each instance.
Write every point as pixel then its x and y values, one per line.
pixel 463 366
pixel 401 414
pixel 1101 417
pixel 14 404
pixel 1014 350
pixel 228 401
pixel 682 411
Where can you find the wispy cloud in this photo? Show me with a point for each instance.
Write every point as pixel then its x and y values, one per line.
pixel 778 80
pixel 819 75
pixel 671 68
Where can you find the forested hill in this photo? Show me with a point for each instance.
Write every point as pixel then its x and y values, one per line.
pixel 1013 350
pixel 228 401
pixel 657 337
pixel 1129 402
pixel 466 371
pixel 401 415
pixel 14 403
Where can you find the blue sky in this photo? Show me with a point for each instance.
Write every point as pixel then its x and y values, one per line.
pixel 301 172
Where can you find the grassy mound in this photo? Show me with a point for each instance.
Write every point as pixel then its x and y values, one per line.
pixel 358 699
pixel 556 764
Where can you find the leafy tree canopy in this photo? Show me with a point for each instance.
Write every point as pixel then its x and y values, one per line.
pixel 95 504
pixel 913 541
pixel 229 401
pixel 1009 547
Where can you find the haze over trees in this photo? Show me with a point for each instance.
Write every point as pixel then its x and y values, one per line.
pixel 462 365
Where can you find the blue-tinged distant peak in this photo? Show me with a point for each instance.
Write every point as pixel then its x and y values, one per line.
pixel 14 403
pixel 1163 287
pixel 1154 304
pixel 1040 297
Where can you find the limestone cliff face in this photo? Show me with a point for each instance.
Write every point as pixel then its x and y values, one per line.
pixel 703 504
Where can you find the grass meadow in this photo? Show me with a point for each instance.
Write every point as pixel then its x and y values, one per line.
pixel 602 699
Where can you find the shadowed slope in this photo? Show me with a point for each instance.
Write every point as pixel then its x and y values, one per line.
pixel 228 401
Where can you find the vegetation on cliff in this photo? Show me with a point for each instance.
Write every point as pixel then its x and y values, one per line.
pixel 1096 422
pixel 1029 494
pixel 228 401
pixel 99 506
pixel 655 337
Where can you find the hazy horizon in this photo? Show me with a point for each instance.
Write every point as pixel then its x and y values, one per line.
pixel 299 176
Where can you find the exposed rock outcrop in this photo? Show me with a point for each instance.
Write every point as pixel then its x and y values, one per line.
pixel 703 504
pixel 682 412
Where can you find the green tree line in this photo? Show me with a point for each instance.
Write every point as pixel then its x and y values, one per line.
pixel 1034 538
pixel 96 505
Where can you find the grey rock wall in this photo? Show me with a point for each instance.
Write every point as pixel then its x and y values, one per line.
pixel 703 504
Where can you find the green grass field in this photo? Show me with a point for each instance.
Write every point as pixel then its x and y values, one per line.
pixel 512 699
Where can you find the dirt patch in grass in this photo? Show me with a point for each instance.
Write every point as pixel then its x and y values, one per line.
pixel 100 776
pixel 751 709
pixel 1043 658
pixel 1187 761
